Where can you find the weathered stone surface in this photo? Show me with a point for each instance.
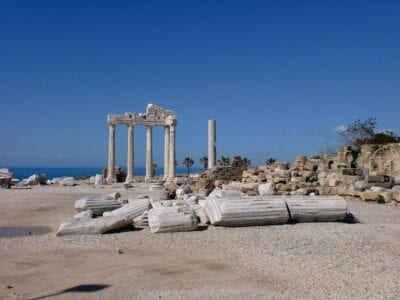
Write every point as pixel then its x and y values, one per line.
pixel 219 193
pixel 387 196
pixel 191 199
pixel 385 185
pixel 380 159
pixel 36 179
pixel 86 214
pixel 142 220
pixel 98 179
pixel 377 178
pixel 360 185
pixel 248 211
pixel 396 195
pixel 171 219
pixel 372 196
pixel 130 211
pixel 98 204
pixel 377 189
pixel 67 181
pixel 316 209
pixel 183 190
pixel 79 226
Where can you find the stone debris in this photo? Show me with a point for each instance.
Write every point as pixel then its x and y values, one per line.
pixel 191 199
pixel 67 181
pixel 98 204
pixel 81 226
pixel 35 179
pixel 221 208
pixel 172 219
pixel 130 211
pixel 266 189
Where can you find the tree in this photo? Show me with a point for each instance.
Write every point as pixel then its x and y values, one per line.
pixel 224 161
pixel 188 162
pixel 363 132
pixel 204 162
pixel 246 161
pixel 359 131
pixel 270 161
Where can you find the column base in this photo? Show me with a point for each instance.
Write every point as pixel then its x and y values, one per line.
pixel 148 179
pixel 129 178
pixel 111 179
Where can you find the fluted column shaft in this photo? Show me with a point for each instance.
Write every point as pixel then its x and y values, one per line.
pixel 172 154
pixel 149 152
pixel 111 154
pixel 212 149
pixel 166 152
pixel 131 153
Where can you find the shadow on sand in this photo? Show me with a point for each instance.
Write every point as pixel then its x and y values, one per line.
pixel 82 288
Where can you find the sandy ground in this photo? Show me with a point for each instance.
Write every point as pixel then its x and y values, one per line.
pixel 298 261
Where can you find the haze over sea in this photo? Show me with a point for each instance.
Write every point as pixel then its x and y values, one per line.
pixel 53 172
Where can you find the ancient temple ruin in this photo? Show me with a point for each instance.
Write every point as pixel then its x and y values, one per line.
pixel 154 116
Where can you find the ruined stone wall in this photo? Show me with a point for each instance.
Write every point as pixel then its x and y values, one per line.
pixel 380 159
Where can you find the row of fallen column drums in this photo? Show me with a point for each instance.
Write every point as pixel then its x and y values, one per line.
pixel 221 208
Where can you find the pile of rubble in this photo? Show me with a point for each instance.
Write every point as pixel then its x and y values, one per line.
pixel 102 214
pixel 330 175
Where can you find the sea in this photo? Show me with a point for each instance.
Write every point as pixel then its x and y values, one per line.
pixel 54 172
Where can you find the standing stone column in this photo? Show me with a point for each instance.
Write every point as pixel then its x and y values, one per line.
pixel 111 154
pixel 149 152
pixel 131 151
pixel 166 152
pixel 212 139
pixel 172 154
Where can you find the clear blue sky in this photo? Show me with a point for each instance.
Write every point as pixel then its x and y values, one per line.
pixel 277 76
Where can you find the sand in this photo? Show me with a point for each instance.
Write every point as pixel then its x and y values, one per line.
pixel 297 261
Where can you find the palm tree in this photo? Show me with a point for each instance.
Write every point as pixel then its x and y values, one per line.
pixel 188 162
pixel 270 161
pixel 224 161
pixel 246 161
pixel 204 162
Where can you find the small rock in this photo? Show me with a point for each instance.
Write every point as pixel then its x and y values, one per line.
pixel 266 189
pixel 119 251
pixel 372 196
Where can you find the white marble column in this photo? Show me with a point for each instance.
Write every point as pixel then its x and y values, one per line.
pixel 149 152
pixel 172 154
pixel 166 152
pixel 111 154
pixel 131 153
pixel 212 149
